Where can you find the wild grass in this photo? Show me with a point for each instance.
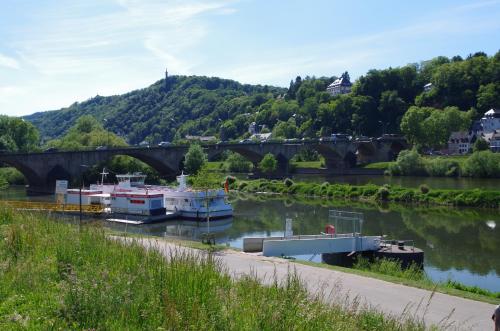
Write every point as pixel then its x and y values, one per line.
pixel 370 192
pixel 55 275
pixel 391 268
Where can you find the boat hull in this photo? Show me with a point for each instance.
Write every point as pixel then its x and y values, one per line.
pixel 201 215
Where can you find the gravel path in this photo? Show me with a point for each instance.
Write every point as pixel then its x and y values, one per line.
pixel 448 311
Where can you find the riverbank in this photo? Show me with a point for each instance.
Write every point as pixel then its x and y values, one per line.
pixel 56 275
pixel 373 193
pixel 430 307
pixel 386 270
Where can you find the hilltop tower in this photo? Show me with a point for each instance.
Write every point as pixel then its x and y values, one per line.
pixel 166 80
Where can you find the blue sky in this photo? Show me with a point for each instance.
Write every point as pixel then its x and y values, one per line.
pixel 56 52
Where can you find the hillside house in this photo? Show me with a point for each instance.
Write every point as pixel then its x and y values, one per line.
pixel 341 85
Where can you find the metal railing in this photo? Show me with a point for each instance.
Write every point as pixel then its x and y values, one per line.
pixel 51 206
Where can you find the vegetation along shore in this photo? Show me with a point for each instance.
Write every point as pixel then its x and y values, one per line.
pixel 422 195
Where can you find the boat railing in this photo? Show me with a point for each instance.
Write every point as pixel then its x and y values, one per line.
pixel 389 244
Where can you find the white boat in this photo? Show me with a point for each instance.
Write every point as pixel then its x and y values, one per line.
pixel 132 197
pixel 197 204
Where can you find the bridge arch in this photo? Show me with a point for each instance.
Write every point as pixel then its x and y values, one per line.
pixel 394 150
pixel 365 152
pixel 31 176
pixel 58 172
pixel 333 159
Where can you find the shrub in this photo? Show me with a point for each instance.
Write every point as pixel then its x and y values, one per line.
pixel 231 179
pixel 408 163
pixel 268 164
pixel 481 145
pixel 383 193
pixel 441 167
pixel 238 163
pixel 424 189
pixel 288 182
pixel 482 164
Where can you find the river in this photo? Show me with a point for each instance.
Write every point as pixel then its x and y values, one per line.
pixel 459 244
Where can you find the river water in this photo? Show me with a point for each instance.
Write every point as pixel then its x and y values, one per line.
pixel 459 244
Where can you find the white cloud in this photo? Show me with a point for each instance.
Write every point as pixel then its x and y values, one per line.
pixel 9 62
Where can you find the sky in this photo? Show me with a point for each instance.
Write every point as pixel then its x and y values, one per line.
pixel 56 52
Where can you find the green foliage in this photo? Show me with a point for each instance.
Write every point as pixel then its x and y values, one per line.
pixel 482 164
pixel 480 145
pixel 408 163
pixel 205 179
pixel 383 193
pixel 424 189
pixel 442 167
pixel 195 159
pixel 17 135
pixel 390 267
pixel 334 192
pixel 288 182
pixel 238 163
pixel 12 176
pixel 268 164
pixel 429 127
pixel 87 133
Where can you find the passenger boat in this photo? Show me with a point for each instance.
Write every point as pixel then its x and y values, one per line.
pixel 197 204
pixel 132 199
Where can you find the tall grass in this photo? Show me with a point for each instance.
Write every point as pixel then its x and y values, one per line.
pixel 55 275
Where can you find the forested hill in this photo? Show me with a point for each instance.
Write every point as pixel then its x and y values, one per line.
pixel 177 105
pixel 180 105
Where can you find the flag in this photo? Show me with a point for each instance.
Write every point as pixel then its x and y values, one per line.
pixel 226 186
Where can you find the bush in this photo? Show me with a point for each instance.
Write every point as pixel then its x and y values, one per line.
pixel 481 145
pixel 268 164
pixel 238 163
pixel 482 164
pixel 383 193
pixel 408 163
pixel 424 189
pixel 288 182
pixel 230 179
pixel 441 167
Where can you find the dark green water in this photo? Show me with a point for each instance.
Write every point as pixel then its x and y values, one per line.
pixel 460 244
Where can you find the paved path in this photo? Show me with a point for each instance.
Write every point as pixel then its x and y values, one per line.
pixel 447 311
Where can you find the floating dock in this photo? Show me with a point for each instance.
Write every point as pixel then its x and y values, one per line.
pixel 311 244
pixel 140 219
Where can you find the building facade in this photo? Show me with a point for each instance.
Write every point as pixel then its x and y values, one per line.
pixel 461 142
pixel 341 85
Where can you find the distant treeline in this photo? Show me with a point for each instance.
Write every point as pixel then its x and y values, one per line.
pixel 180 105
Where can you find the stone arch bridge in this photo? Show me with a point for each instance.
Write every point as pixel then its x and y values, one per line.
pixel 41 170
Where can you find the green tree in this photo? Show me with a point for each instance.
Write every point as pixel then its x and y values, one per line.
pixel 488 96
pixel 480 145
pixel 17 135
pixel 195 159
pixel 430 127
pixel 268 164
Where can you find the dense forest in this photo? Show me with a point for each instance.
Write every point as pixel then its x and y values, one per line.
pixel 178 106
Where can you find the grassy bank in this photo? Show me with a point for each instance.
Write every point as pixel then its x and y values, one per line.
pixel 423 195
pixel 55 276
